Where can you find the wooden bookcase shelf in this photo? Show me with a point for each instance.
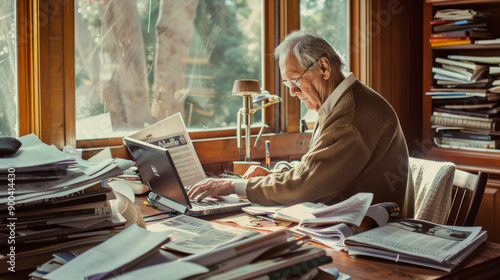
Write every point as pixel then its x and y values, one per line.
pixel 489 216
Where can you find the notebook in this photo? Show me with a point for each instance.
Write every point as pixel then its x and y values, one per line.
pixel 167 193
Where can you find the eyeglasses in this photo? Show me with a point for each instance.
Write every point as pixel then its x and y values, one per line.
pixel 296 82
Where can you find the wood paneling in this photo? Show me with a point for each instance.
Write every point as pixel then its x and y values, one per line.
pixel 396 61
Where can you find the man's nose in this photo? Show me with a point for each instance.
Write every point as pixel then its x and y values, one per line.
pixel 294 91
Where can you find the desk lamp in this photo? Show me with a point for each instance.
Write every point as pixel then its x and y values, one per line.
pixel 251 92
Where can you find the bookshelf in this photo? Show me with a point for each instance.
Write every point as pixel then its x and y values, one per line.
pixel 473 161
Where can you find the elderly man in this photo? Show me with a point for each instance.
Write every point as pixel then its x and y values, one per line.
pixel 357 144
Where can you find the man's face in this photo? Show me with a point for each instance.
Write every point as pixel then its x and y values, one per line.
pixel 309 90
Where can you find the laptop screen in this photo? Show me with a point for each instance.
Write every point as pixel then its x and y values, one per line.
pixel 157 170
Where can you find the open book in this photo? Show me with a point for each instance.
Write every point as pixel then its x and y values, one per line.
pixel 418 242
pixel 329 225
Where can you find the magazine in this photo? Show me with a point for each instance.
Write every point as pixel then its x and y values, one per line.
pixel 329 225
pixel 333 234
pixel 417 242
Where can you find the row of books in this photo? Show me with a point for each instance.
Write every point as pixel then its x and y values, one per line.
pixel 58 204
pixel 466 102
pixel 460 27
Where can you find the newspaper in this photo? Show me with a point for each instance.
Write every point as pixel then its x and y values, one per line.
pixel 418 242
pixel 192 235
pixel 171 133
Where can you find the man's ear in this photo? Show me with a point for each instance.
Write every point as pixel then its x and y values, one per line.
pixel 325 67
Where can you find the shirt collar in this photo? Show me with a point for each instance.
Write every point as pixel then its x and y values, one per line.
pixel 332 100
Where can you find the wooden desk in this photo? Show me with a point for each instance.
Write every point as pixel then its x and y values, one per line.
pixel 484 263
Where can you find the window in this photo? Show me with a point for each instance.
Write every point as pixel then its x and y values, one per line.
pixel 9 98
pixel 330 19
pixel 138 62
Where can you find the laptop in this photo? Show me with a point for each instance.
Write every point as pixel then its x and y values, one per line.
pixel 167 193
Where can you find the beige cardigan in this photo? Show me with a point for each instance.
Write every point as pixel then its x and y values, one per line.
pixel 360 148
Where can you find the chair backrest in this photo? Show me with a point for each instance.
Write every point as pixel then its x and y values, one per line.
pixel 433 188
pixel 467 196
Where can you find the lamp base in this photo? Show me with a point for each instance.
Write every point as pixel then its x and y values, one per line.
pixel 240 167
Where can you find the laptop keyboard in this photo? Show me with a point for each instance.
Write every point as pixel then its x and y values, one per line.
pixel 204 203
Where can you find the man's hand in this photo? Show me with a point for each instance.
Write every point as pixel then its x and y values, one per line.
pixel 211 187
pixel 256 171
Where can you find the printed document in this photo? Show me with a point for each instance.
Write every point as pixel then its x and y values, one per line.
pixel 171 133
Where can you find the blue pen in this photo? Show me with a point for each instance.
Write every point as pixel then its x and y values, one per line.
pixel 158 219
pixel 158 214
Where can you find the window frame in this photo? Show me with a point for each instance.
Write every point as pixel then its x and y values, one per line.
pixel 56 125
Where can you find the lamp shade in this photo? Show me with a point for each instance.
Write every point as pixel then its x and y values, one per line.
pixel 246 88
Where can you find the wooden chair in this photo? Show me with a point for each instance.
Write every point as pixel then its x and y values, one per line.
pixel 468 193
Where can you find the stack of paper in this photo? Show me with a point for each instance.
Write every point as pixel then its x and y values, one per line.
pixel 53 203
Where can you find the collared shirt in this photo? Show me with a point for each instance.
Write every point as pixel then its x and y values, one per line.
pixel 323 112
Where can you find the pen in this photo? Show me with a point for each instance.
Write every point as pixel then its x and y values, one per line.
pixel 268 155
pixel 268 219
pixel 158 214
pixel 158 219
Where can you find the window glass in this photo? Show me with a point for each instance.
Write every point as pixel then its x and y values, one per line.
pixel 329 19
pixel 140 61
pixel 9 124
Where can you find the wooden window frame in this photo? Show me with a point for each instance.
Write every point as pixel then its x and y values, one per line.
pixel 48 95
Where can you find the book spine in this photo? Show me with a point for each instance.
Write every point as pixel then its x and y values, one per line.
pixel 299 269
pixel 451 34
pixel 457 122
pixel 466 136
pixel 451 43
pixel 468 143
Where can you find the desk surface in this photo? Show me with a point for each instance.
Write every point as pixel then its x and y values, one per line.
pixel 484 263
pixel 481 264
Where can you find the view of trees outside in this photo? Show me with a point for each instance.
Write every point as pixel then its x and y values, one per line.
pixel 8 67
pixel 140 61
pixel 329 19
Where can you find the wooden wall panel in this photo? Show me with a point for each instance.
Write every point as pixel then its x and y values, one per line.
pixel 396 61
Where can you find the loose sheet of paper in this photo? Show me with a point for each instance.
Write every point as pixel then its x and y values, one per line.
pixel 192 235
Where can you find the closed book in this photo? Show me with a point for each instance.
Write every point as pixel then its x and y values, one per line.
pixel 465 123
pixel 460 14
pixel 474 74
pixel 442 40
pixel 463 33
pixel 468 143
pixel 463 100
pixel 451 43
pixel 456 93
pixel 472 106
pixel 492 113
pixel 464 115
pixel 453 74
pixel 458 27
pixel 456 88
pixel 459 134
pixel 463 64
pixel 480 59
